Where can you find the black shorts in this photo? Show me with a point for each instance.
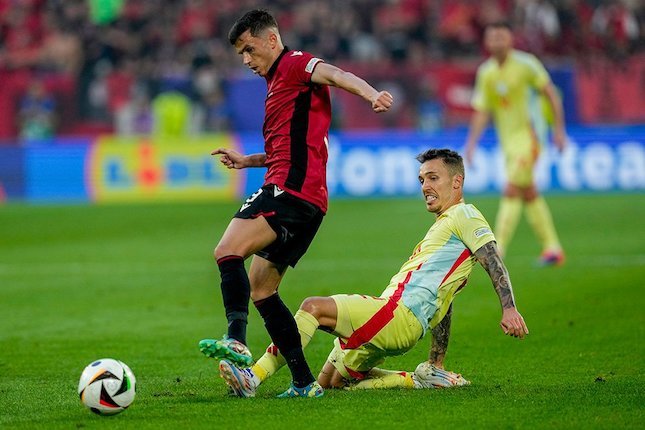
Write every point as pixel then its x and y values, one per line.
pixel 294 220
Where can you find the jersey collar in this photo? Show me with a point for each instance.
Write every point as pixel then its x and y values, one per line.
pixel 451 208
pixel 274 66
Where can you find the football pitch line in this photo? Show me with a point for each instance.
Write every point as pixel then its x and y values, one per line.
pixel 174 266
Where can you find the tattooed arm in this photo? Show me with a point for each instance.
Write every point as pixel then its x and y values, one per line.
pixel 512 322
pixel 440 337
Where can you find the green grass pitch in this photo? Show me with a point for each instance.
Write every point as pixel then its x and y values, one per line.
pixel 137 283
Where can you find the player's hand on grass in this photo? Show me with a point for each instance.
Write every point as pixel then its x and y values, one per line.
pixel 513 324
pixel 230 158
pixel 428 375
pixel 382 101
pixel 458 380
pixel 454 379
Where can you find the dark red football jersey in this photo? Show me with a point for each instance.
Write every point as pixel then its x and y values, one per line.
pixel 296 124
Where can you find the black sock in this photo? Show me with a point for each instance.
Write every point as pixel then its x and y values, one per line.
pixel 236 292
pixel 284 333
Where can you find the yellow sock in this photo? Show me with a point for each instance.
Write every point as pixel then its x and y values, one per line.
pixel 508 216
pixel 266 364
pixel 272 360
pixel 307 326
pixel 382 378
pixel 539 216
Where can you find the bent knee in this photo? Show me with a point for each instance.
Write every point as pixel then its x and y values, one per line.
pixel 324 381
pixel 313 305
pixel 323 309
pixel 329 376
pixel 224 251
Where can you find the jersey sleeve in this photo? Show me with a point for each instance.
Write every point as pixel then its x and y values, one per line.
pixel 481 100
pixel 472 228
pixel 302 65
pixel 539 77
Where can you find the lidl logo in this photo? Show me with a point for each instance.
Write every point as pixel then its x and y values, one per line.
pixel 143 169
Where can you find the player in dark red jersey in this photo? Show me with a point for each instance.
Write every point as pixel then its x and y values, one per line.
pixel 278 222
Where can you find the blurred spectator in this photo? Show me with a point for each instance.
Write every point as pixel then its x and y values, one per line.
pixel 216 112
pixel 617 27
pixel 61 50
pixel 37 113
pixel 210 112
pixel 399 22
pixel 109 47
pixel 171 112
pixel 577 37
pixel 640 16
pixel 197 21
pixel 98 92
pixel 119 84
pixel 135 117
pixel 539 26
pixel 458 33
pixel 430 112
pixel 105 11
pixel 21 33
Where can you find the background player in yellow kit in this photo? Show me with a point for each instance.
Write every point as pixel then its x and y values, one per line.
pixel 369 329
pixel 511 87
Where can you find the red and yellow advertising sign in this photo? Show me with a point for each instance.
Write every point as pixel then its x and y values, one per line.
pixel 160 169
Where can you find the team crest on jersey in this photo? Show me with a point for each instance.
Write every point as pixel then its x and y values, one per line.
pixel 501 88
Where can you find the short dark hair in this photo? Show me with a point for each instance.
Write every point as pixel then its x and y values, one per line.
pixel 254 20
pixel 499 25
pixel 451 159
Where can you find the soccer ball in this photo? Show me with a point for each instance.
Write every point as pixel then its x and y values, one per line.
pixel 107 386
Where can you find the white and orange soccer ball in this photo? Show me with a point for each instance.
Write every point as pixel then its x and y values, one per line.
pixel 107 386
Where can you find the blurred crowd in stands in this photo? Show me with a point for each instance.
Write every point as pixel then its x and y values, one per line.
pixel 131 61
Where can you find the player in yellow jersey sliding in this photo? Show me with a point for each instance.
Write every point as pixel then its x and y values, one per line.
pixel 511 86
pixel 419 297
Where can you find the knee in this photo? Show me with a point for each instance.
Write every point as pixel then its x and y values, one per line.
pixel 530 194
pixel 327 375
pixel 222 250
pixel 337 382
pixel 324 383
pixel 260 293
pixel 323 377
pixel 313 306
pixel 512 192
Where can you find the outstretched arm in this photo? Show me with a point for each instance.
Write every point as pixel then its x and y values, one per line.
pixel 559 137
pixel 512 322
pixel 440 337
pixel 234 160
pixel 478 123
pixel 327 74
